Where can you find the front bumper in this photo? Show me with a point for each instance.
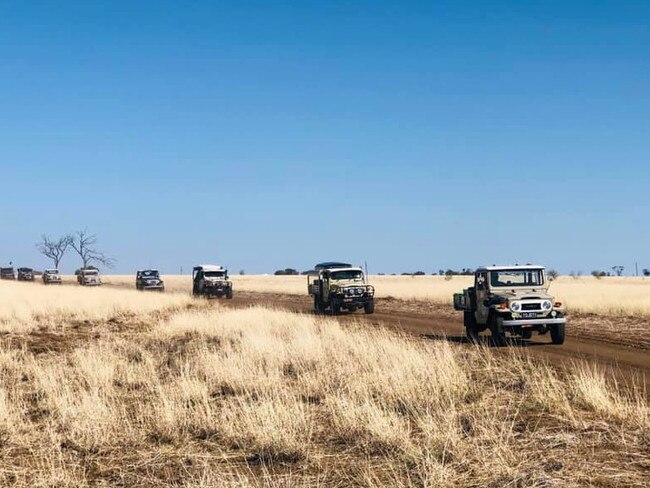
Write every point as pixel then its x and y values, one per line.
pixel 217 290
pixel 533 322
pixel 355 300
pixel 158 286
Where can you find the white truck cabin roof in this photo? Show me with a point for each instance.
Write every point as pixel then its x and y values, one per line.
pixel 525 267
pixel 211 267
pixel 334 270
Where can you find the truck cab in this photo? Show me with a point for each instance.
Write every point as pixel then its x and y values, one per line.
pixel 511 299
pixel 7 274
pixel 51 277
pixel 25 274
pixel 210 280
pixel 149 279
pixel 89 277
pixel 335 286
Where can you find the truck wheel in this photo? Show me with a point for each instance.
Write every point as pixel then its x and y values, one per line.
pixel 498 335
pixel 335 306
pixel 369 307
pixel 557 333
pixel 318 306
pixel 229 294
pixel 471 327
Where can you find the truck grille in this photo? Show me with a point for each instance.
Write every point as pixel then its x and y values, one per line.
pixel 531 306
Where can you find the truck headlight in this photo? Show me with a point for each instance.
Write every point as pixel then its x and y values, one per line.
pixel 547 305
pixel 515 306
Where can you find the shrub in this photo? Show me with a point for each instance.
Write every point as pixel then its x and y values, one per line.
pixel 286 272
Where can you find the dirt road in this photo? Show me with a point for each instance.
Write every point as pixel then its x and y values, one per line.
pixel 630 365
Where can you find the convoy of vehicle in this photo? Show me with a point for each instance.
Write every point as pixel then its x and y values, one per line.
pixel 505 300
pixel 149 279
pixel 511 299
pixel 336 286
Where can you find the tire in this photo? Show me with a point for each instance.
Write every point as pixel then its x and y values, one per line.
pixel 335 306
pixel 318 308
pixel 471 327
pixel 229 294
pixel 369 307
pixel 558 333
pixel 498 335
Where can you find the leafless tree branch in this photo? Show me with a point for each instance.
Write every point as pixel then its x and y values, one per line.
pixel 53 249
pixel 84 244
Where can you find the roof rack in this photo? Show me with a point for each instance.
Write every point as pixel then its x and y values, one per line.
pixel 331 265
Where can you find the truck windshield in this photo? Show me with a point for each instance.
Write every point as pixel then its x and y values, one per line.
pixel 150 274
pixel 214 274
pixel 347 275
pixel 517 277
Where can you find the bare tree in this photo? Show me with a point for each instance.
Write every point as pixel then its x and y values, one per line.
pixel 53 249
pixel 84 244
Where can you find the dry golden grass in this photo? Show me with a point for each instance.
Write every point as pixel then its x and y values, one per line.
pixel 255 397
pixel 26 306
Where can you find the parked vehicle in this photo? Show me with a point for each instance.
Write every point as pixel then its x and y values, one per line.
pixel 52 277
pixel 89 277
pixel 210 281
pixel 336 286
pixel 511 299
pixel 149 279
pixel 7 274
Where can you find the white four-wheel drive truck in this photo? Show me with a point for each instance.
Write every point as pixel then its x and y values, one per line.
pixel 336 286
pixel 511 299
pixel 89 277
pixel 51 277
pixel 210 281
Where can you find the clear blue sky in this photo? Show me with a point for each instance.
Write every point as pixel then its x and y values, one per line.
pixel 413 135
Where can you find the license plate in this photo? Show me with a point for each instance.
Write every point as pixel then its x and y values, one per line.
pixel 529 315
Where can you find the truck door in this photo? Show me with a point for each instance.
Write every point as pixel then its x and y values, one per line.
pixel 481 285
pixel 195 281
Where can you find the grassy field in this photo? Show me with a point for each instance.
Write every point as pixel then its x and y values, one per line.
pixel 607 296
pixel 117 387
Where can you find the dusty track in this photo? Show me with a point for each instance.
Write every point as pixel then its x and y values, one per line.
pixel 629 365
